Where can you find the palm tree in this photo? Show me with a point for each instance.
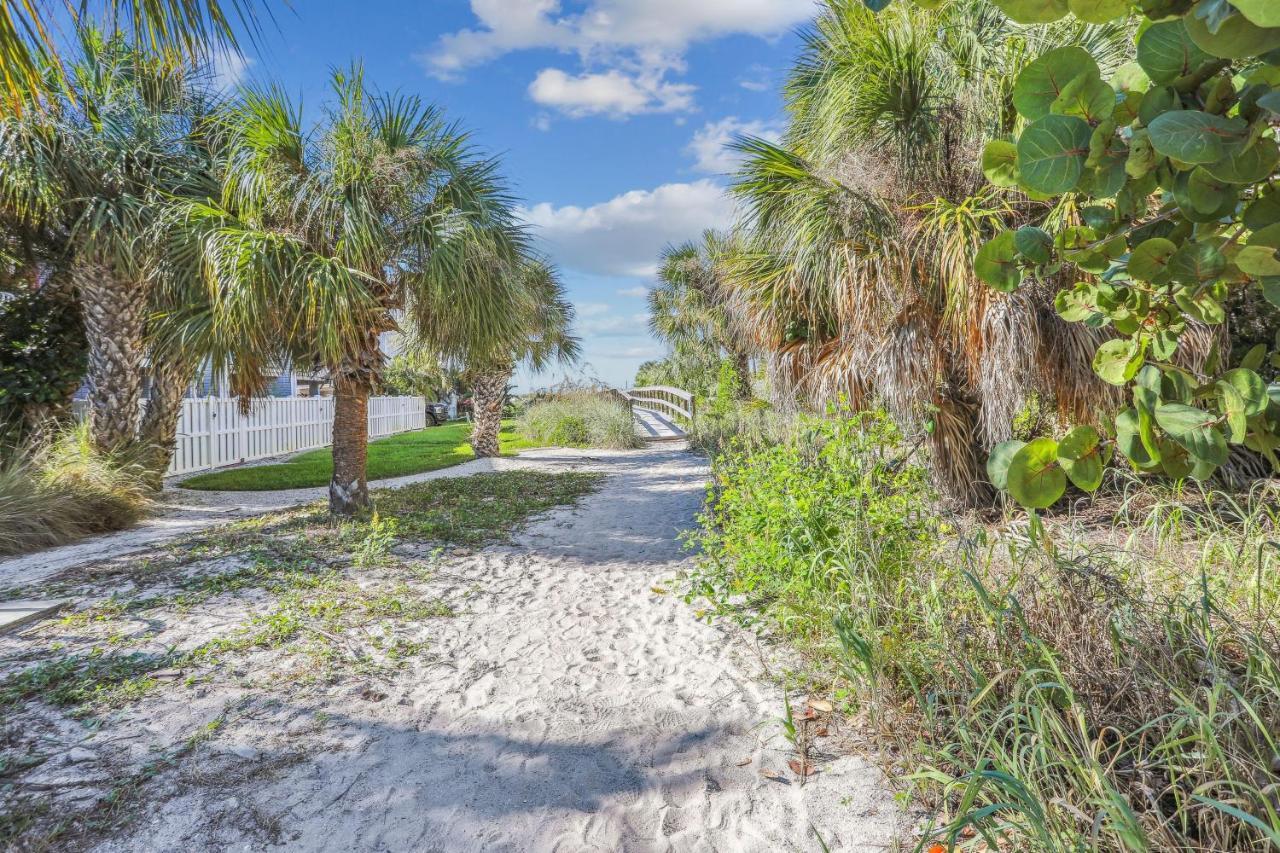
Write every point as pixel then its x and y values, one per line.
pixel 543 335
pixel 88 173
pixel 694 310
pixel 29 53
pixel 859 228
pixel 318 242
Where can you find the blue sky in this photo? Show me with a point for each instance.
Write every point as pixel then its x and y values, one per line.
pixel 609 116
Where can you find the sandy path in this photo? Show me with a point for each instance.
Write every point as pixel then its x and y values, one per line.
pixel 576 709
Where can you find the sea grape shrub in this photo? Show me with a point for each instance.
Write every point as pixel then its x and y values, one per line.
pixel 1166 176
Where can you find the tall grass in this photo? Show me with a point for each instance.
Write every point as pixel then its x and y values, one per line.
pixel 580 418
pixel 1110 681
pixel 59 489
pixel 742 427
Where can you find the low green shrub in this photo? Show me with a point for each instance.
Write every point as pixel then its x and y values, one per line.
pixel 580 419
pixel 59 489
pixel 1109 683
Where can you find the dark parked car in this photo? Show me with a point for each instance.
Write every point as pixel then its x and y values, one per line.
pixel 437 413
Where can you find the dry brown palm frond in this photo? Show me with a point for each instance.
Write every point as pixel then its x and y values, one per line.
pixel 1007 368
pixel 1064 358
pixel 957 465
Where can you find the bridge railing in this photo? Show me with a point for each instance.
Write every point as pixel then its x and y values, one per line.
pixel 675 403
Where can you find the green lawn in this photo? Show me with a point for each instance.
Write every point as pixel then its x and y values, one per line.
pixel 407 453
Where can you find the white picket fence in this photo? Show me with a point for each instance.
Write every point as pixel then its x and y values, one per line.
pixel 212 433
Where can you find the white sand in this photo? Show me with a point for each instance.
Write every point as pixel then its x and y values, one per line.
pixel 570 707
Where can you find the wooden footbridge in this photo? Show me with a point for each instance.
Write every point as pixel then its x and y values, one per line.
pixel 661 413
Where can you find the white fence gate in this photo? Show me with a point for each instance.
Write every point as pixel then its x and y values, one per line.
pixel 212 432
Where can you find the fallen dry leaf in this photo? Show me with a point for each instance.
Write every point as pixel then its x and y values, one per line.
pixel 822 732
pixel 821 705
pixel 775 776
pixel 744 762
pixel 801 769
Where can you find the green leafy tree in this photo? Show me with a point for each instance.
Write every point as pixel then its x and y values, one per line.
pixel 694 311
pixel 82 181
pixel 854 266
pixel 316 241
pixel 542 335
pixel 1164 204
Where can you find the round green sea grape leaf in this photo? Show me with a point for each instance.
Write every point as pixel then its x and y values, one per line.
pixel 1117 361
pixel 1157 101
pixel 1087 97
pixel 1149 260
pixel 1131 78
pixel 1233 407
pixel 1196 263
pixel 1033 11
pixel 1251 388
pixel 1080 453
pixel 998 462
pixel 1186 203
pixel 1203 304
pixel 1263 13
pixel 1142 159
pixel 1079 304
pixel 1098 11
pixel 1034 244
pixel 1043 81
pixel 1236 38
pixel 1166 52
pixel 1271 290
pixel 1193 136
pixel 1207 193
pixel 1129 438
pixel 1000 163
pixel 1175 461
pixel 1264 211
pixel 1253 165
pixel 1034 477
pixel 1052 152
pixel 996 263
pixel 1258 257
pixel 1195 429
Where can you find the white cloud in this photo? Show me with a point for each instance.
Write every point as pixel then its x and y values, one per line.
pixel 625 235
pixel 593 309
pixel 229 68
pixel 758 78
pixel 627 47
pixel 611 93
pixel 606 26
pixel 613 326
pixel 634 292
pixel 710 145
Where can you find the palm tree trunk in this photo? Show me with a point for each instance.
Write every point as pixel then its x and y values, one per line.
pixel 114 321
pixel 742 374
pixel 158 433
pixel 349 488
pixel 488 391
